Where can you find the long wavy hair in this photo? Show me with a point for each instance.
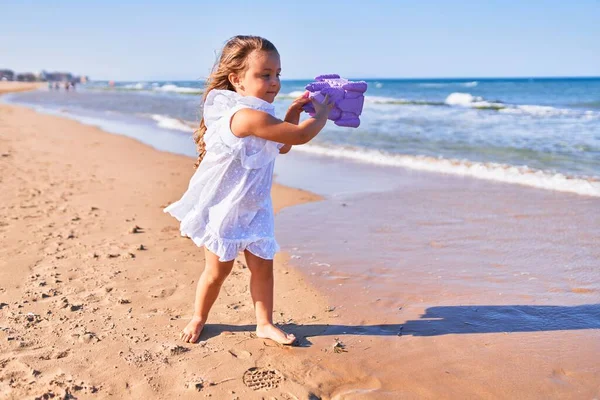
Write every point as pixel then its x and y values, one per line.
pixel 233 59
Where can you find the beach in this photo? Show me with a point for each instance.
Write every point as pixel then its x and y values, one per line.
pixel 14 87
pixel 440 287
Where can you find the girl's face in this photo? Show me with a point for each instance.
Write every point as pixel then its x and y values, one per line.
pixel 261 79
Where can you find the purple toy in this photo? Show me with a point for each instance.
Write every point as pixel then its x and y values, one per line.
pixel 348 97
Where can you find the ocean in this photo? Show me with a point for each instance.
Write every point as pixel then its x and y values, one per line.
pixel 540 132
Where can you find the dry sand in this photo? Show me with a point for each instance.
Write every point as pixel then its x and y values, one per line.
pixel 92 309
pixel 10 87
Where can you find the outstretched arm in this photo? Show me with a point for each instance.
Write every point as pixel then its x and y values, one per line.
pixel 248 122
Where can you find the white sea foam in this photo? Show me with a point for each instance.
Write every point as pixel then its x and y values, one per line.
pixel 536 110
pixel 462 99
pixel 489 171
pixel 177 89
pixel 435 85
pixel 173 123
pixel 296 93
pixel 136 86
pixel 291 95
pixel 155 87
pixel 444 84
pixel 468 100
pixel 547 111
pixel 382 99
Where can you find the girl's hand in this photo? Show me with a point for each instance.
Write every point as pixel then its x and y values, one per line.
pixel 323 108
pixel 293 113
pixel 299 102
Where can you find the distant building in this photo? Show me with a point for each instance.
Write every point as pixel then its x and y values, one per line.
pixel 58 76
pixel 42 76
pixel 26 77
pixel 7 75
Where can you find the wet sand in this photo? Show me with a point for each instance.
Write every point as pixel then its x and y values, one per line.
pixel 90 308
pixel 495 288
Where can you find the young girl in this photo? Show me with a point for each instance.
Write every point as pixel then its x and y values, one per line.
pixel 227 207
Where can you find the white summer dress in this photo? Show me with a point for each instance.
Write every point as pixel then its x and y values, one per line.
pixel 227 207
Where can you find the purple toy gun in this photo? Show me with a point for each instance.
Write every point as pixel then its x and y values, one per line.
pixel 347 96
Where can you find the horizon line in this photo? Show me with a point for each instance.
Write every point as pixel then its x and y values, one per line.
pixel 384 78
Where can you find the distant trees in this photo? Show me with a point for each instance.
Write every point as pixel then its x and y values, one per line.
pixel 7 75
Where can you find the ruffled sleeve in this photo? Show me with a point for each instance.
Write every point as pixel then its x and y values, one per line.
pixel 219 107
pixel 267 152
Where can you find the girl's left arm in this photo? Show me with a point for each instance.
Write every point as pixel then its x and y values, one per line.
pixel 293 116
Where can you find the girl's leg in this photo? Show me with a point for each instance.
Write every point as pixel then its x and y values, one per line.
pixel 208 288
pixel 261 289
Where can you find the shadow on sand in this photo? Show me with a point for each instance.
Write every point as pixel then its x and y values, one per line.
pixel 446 320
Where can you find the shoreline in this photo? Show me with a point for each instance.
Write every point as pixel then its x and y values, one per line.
pixel 167 135
pixel 126 312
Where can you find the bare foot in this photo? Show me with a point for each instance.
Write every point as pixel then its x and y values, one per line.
pixel 274 333
pixel 191 332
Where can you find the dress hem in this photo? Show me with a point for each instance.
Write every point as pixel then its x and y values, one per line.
pixel 228 249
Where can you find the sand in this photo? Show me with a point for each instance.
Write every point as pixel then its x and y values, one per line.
pixel 91 309
pixel 11 87
pixel 96 284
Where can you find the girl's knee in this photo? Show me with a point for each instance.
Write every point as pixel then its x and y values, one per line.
pixel 216 276
pixel 263 273
pixel 215 271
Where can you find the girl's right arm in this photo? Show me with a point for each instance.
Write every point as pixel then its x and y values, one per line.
pixel 248 122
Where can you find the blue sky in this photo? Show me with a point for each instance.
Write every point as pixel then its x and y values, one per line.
pixel 178 40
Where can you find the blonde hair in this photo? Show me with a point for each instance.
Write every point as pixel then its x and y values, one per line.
pixel 233 59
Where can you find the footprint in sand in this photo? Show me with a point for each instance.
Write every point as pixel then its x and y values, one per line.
pixel 235 306
pixel 196 383
pixel 175 350
pixel 164 293
pixel 261 378
pixel 88 337
pixel 61 354
pixel 559 375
